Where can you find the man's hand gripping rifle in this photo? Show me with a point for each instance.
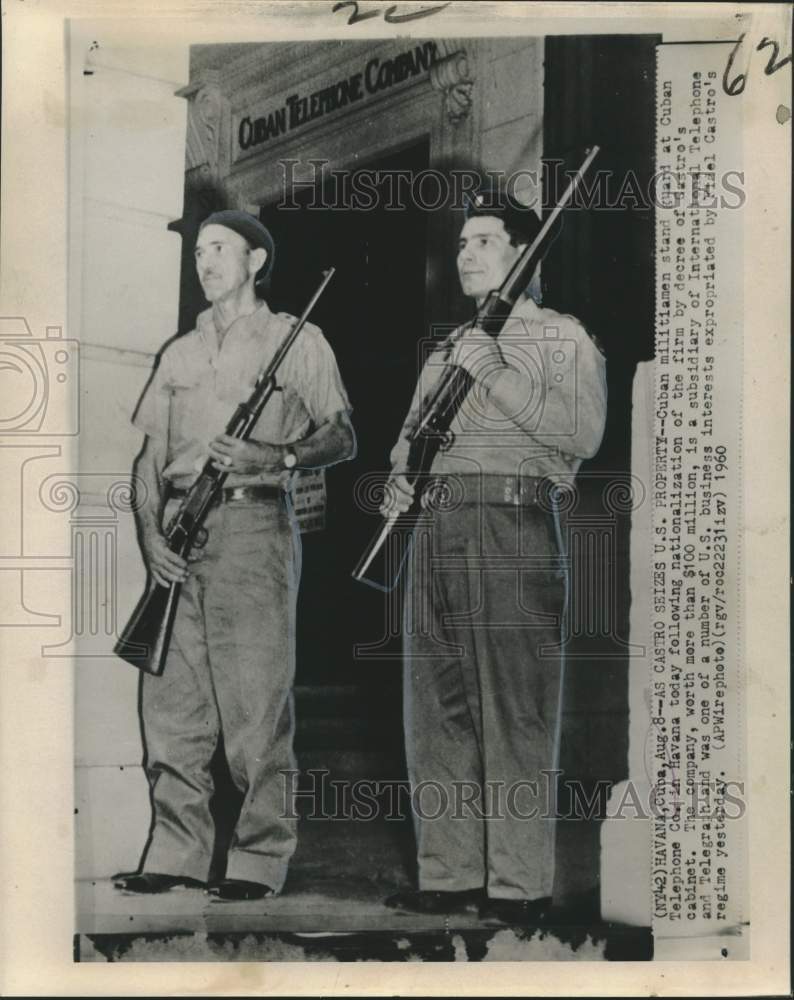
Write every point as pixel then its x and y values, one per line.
pixel 144 642
pixel 382 562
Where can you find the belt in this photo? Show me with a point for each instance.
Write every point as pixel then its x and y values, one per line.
pixel 492 488
pixel 237 494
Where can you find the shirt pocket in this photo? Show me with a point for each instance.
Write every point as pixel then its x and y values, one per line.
pixel 190 412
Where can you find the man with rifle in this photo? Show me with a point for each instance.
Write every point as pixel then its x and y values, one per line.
pixel 231 658
pixel 487 586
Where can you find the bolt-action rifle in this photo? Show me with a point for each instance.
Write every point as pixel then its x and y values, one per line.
pixel 382 562
pixel 144 642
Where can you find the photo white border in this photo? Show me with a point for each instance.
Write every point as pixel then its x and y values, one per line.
pixel 36 728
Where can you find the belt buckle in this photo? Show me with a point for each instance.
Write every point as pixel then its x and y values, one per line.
pixel 530 490
pixel 234 493
pixel 513 491
pixel 518 491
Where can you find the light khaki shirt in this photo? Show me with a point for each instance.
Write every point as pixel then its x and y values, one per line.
pixel 557 419
pixel 197 386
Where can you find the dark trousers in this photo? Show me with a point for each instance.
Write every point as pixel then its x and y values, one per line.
pixel 483 678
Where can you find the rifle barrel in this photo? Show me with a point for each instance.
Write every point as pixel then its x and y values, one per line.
pixel 442 405
pixel 146 637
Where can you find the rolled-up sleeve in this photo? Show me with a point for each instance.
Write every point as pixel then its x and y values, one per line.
pixel 321 386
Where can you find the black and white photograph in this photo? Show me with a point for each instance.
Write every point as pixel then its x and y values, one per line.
pixel 396 499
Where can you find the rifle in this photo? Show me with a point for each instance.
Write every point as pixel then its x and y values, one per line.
pixel 144 642
pixel 382 562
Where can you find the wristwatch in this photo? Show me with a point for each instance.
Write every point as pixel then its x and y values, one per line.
pixel 290 458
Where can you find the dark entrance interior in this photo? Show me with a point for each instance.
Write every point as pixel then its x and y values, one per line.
pixel 373 316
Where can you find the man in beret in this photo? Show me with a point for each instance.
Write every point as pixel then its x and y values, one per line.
pixel 487 588
pixel 231 659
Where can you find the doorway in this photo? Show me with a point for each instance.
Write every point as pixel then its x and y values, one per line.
pixel 348 707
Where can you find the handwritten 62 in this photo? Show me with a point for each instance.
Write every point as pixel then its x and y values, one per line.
pixel 736 85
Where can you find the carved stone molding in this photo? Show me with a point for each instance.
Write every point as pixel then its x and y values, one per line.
pixel 451 74
pixel 206 109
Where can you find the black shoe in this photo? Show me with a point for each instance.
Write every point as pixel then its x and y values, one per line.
pixel 237 889
pixel 516 911
pixel 152 882
pixel 435 901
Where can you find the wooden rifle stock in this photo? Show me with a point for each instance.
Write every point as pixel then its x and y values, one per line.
pixel 382 562
pixel 146 637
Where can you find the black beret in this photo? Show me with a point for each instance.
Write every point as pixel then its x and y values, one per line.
pixel 518 219
pixel 250 228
